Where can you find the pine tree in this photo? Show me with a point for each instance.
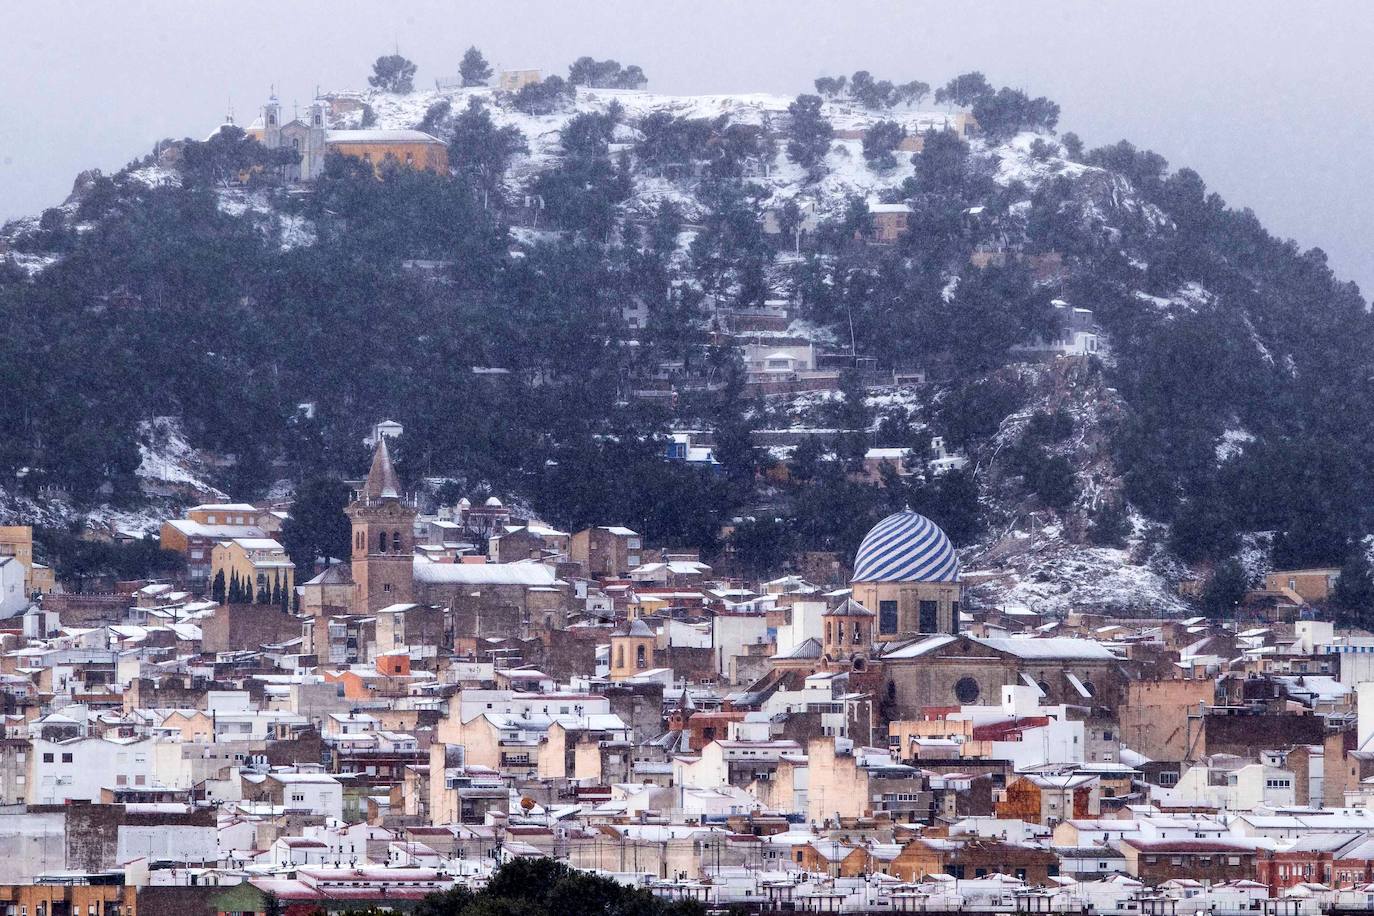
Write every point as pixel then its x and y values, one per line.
pixel 392 73
pixel 810 135
pixel 1225 590
pixel 1353 594
pixel 474 68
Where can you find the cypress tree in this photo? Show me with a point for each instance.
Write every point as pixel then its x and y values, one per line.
pixel 217 587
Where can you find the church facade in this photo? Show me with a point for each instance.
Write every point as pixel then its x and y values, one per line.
pixel 313 140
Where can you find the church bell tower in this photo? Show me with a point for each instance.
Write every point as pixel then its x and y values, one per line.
pixel 383 538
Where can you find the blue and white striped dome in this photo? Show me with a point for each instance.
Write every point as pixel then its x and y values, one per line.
pixel 906 547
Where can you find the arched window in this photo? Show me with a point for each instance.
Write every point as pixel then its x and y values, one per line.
pixel 381 542
pixel 858 634
pixel 395 542
pixel 641 657
pixel 620 656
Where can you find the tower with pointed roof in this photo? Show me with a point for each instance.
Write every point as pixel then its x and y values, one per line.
pixel 632 650
pixel 383 538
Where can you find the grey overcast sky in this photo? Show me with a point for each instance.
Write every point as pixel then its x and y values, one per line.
pixel 1268 99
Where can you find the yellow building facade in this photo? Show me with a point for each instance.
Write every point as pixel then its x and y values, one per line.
pixel 256 562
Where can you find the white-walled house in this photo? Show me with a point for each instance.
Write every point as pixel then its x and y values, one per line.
pixel 77 769
pixel 307 793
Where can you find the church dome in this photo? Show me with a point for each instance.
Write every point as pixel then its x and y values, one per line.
pixel 906 547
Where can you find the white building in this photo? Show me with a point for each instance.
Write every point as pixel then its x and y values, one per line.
pixel 77 769
pixel 1079 334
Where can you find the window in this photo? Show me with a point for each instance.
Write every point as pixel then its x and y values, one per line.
pixel 966 690
pixel 641 660
pixel 381 542
pixel 47 758
pixel 395 542
pixel 66 758
pixel 929 617
pixel 887 617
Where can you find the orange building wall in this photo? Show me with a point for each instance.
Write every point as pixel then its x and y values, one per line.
pixel 432 157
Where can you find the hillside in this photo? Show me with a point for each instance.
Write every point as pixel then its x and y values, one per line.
pixel 601 249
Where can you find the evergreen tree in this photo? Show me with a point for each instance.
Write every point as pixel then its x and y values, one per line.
pixel 1006 112
pixel 806 458
pixel 605 74
pixel 761 546
pixel 1110 526
pixel 964 90
pixel 474 69
pixel 911 93
pixel 392 73
pixel 734 443
pixel 479 151
pixel 942 163
pixel 264 594
pixel 880 144
pixel 1225 590
pixel 544 97
pixel 317 526
pixel 229 155
pixel 434 116
pixel 1353 594
pixel 831 87
pixel 217 587
pixel 810 135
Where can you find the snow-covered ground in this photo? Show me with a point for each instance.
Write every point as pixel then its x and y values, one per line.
pixel 172 475
pixel 1042 571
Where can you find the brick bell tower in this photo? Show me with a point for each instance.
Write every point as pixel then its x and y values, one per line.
pixel 383 538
